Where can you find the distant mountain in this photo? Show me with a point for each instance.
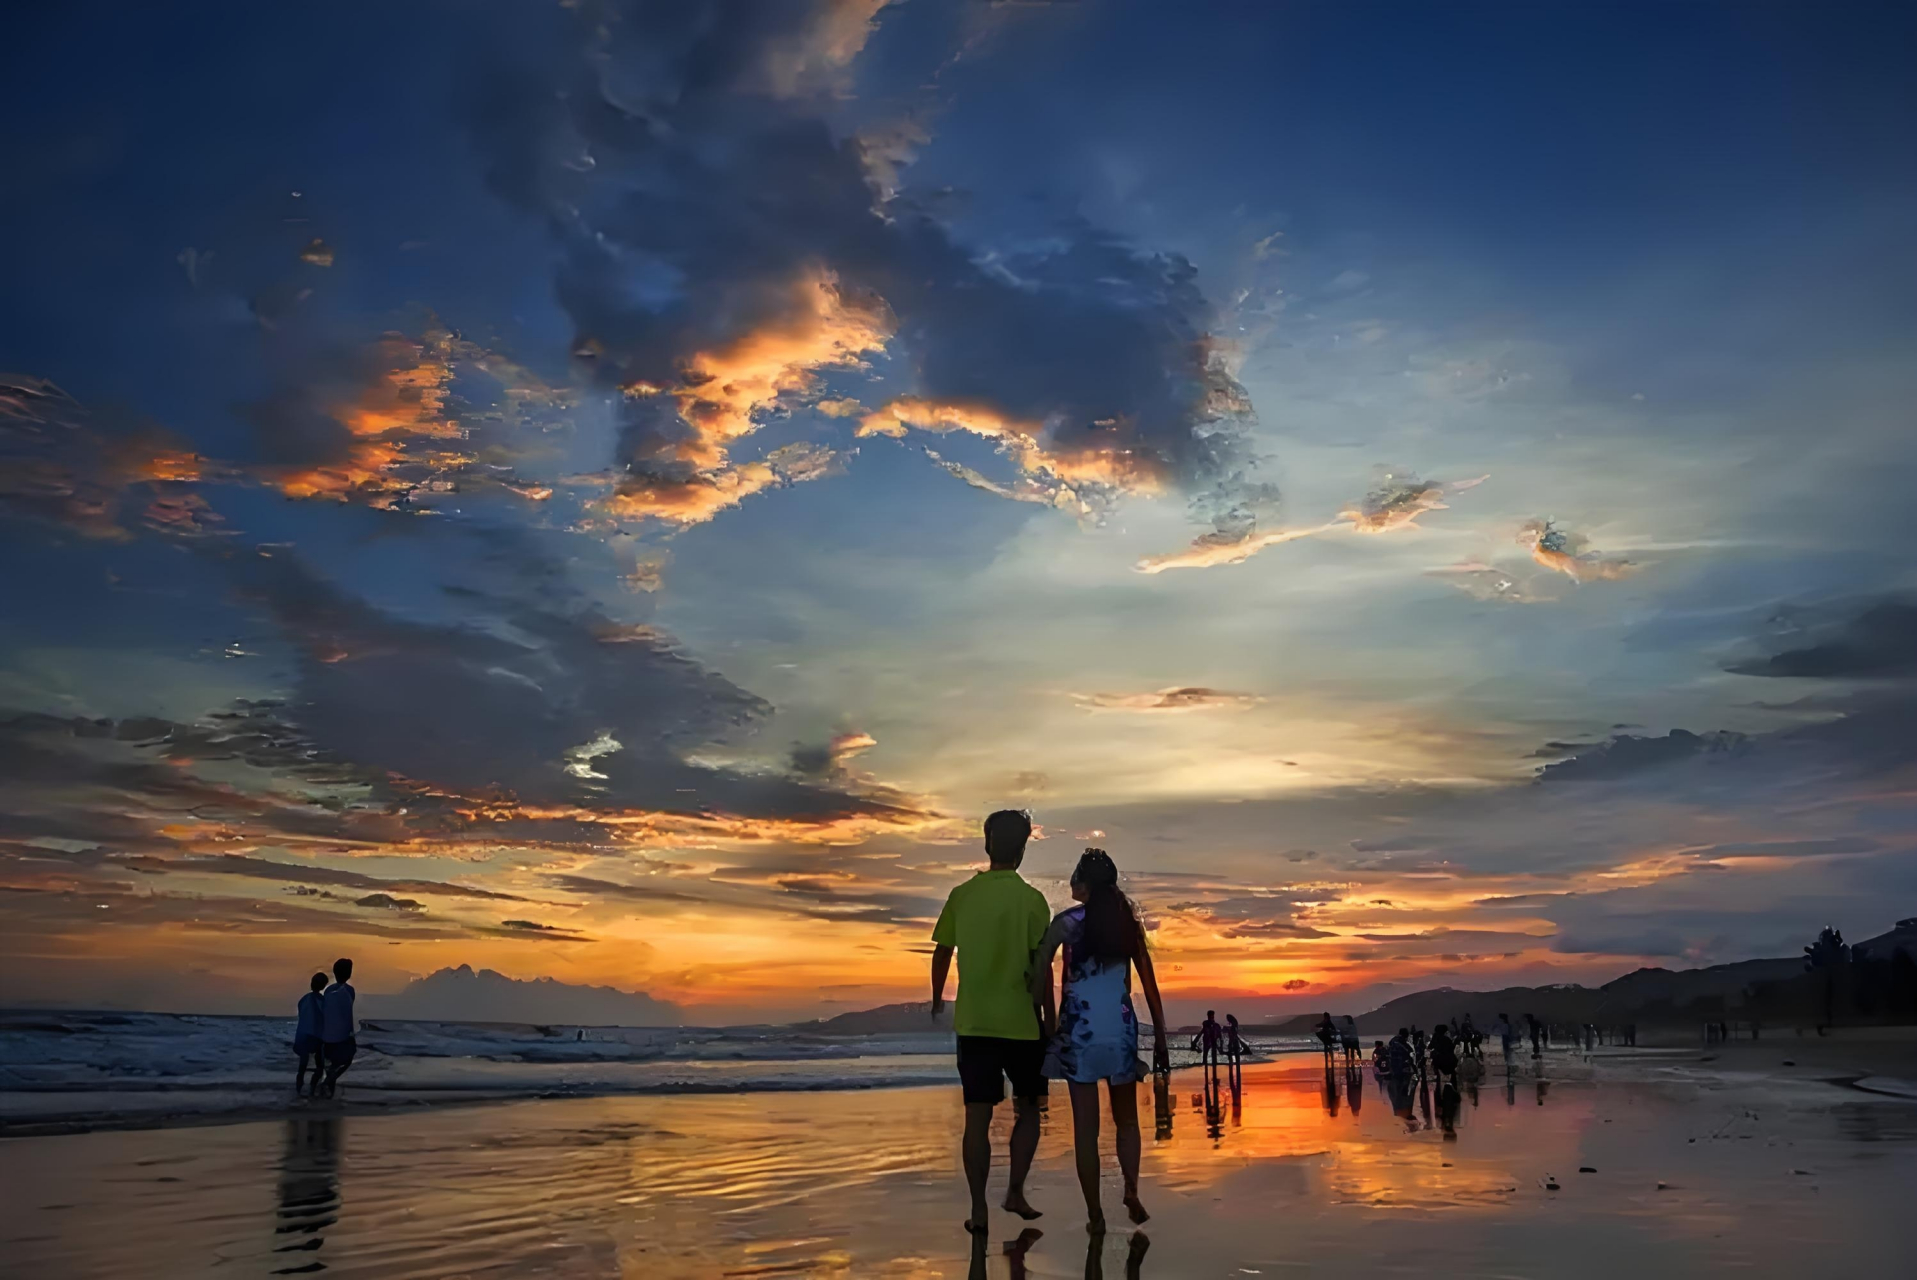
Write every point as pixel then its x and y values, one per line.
pixel 1645 995
pixel 462 995
pixel 887 1019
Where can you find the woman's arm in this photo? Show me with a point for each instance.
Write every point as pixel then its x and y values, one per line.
pixel 1148 978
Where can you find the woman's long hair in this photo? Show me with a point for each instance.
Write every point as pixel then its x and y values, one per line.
pixel 1111 931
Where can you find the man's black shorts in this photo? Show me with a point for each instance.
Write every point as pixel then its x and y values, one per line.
pixel 984 1062
pixel 339 1053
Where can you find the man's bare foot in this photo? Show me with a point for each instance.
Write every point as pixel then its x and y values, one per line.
pixel 1015 1202
pixel 1136 1208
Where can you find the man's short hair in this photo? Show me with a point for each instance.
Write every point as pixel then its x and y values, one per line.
pixel 1006 833
pixel 342 969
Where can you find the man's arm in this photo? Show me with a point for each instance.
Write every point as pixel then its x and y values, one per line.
pixel 941 966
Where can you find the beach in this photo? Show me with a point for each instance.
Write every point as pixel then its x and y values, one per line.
pixel 1654 1161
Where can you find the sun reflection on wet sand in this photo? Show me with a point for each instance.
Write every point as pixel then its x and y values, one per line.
pixel 1288 1168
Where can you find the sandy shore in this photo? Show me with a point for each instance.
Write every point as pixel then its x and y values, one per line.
pixel 1655 1162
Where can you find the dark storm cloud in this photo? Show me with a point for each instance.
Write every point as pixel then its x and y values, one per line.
pixel 511 700
pixel 720 246
pixel 1628 753
pixel 1876 642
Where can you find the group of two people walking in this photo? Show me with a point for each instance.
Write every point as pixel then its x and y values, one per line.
pixel 325 1035
pixel 1012 1027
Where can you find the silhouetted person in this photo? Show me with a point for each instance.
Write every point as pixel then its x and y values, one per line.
pixel 306 1036
pixel 1506 1033
pixel 1418 1056
pixel 1380 1057
pixel 1096 1034
pixel 1399 1052
pixel 994 921
pixel 1537 1035
pixel 1444 1053
pixel 1209 1041
pixel 1473 1040
pixel 1348 1037
pixel 1329 1036
pixel 1234 1047
pixel 338 1032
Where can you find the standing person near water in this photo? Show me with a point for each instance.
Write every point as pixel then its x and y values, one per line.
pixel 994 922
pixel 1096 1037
pixel 306 1036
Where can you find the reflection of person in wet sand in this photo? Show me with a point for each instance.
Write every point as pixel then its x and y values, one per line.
pixel 1096 1036
pixel 1348 1037
pixel 1449 1104
pixel 1161 1106
pixel 1354 1088
pixel 309 1189
pixel 1134 1257
pixel 994 922
pixel 1015 1251
pixel 1331 1089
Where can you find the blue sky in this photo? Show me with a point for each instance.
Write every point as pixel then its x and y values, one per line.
pixel 679 466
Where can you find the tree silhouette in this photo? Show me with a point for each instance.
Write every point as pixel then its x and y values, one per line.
pixel 1827 956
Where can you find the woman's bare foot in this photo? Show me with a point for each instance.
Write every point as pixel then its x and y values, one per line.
pixel 1015 1202
pixel 1096 1224
pixel 1136 1208
pixel 978 1225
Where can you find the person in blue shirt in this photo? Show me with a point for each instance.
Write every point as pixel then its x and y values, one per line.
pixel 306 1036
pixel 337 1042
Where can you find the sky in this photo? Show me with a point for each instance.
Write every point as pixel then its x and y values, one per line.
pixel 617 491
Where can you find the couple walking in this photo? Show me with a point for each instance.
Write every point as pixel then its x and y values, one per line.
pixel 325 1032
pixel 1010 1027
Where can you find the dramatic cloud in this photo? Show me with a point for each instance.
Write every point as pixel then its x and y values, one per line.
pixel 1567 553
pixel 1187 698
pixel 1395 503
pixel 722 248
pixel 1627 753
pixel 1878 642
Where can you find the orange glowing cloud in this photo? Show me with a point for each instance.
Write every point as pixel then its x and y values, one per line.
pixel 1220 548
pixel 404 403
pixel 1109 467
pixel 722 393
pixel 1566 553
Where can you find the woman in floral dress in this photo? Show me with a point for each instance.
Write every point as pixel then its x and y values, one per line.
pixel 1094 1035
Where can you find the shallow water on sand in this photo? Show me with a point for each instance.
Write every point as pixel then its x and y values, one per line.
pixel 1291 1173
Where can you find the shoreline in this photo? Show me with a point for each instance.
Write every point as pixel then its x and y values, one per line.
pixel 1878 1060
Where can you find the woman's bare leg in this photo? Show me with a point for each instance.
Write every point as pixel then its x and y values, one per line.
pixel 1085 1149
pixel 1125 1131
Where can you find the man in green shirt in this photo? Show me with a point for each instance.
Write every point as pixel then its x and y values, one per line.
pixel 995 921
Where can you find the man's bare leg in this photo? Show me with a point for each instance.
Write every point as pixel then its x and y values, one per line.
pixel 977 1150
pixel 1024 1147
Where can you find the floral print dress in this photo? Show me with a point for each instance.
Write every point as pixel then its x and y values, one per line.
pixel 1097 1035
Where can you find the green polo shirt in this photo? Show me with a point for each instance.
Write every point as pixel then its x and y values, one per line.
pixel 995 921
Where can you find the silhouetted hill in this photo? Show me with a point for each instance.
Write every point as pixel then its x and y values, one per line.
pixel 461 995
pixel 887 1019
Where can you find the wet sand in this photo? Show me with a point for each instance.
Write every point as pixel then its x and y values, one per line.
pixel 1694 1170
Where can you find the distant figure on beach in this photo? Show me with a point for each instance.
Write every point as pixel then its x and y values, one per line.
pixel 338 1031
pixel 1536 1029
pixel 1234 1047
pixel 994 921
pixel 1506 1033
pixel 1380 1056
pixel 1348 1035
pixel 1444 1053
pixel 1096 1032
pixel 1472 1037
pixel 1418 1058
pixel 1399 1052
pixel 1209 1040
pixel 306 1036
pixel 1328 1036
